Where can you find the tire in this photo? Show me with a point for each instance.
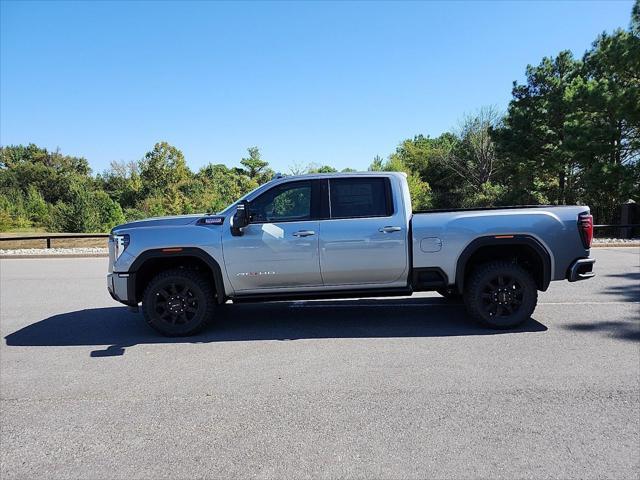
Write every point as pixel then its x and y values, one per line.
pixel 450 294
pixel 178 302
pixel 501 294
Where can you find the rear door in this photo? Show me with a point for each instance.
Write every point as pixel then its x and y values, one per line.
pixel 364 240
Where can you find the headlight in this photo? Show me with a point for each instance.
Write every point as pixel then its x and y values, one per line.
pixel 120 243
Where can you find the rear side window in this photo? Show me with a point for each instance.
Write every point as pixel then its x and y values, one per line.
pixel 360 197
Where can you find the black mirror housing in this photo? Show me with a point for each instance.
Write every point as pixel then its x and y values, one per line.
pixel 240 218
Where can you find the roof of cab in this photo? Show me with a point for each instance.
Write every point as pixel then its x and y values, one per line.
pixel 312 176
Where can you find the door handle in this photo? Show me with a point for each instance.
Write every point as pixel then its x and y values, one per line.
pixel 389 229
pixel 304 233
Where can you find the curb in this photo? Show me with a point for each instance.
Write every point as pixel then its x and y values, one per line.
pixel 622 245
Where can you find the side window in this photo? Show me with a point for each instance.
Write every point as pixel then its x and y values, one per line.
pixel 360 197
pixel 285 203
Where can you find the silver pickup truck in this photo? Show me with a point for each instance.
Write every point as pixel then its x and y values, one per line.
pixel 344 235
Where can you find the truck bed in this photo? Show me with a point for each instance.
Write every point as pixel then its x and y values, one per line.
pixel 439 236
pixel 474 209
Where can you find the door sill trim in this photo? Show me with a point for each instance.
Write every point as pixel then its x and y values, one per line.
pixel 317 295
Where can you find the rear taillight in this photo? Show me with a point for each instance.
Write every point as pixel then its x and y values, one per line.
pixel 585 225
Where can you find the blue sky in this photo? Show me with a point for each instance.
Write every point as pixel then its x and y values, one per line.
pixel 325 83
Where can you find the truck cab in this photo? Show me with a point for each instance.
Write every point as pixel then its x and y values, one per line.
pixel 338 233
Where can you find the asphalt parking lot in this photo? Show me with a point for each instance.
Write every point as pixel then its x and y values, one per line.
pixel 376 388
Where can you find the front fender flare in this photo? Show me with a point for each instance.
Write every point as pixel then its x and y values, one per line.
pixel 183 252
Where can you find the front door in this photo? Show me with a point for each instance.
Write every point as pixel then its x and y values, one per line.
pixel 279 247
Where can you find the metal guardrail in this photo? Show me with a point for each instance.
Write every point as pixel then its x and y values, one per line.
pixel 106 235
pixel 54 236
pixel 622 230
pixel 627 225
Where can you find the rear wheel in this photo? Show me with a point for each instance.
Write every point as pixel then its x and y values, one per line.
pixel 178 302
pixel 501 294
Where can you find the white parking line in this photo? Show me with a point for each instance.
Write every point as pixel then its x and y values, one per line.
pixel 587 303
pixel 303 304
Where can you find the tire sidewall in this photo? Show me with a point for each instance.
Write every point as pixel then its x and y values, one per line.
pixel 154 320
pixel 488 272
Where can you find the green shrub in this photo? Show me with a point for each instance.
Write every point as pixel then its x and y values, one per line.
pixel 132 214
pixel 36 208
pixel 109 213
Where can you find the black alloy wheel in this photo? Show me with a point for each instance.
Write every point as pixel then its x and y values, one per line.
pixel 178 302
pixel 175 303
pixel 501 294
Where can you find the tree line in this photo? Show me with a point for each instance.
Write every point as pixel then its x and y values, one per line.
pixel 571 134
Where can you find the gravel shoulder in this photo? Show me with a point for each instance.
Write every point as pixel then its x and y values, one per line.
pixel 54 252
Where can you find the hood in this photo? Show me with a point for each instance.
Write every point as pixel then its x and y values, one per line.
pixel 173 221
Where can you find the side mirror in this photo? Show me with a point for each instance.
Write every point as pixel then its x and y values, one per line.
pixel 240 219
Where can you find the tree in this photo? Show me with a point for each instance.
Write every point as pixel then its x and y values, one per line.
pixel 13 156
pixel 13 212
pixel 221 186
pixel 164 174
pixel 572 133
pixel 418 189
pixel 36 208
pixel 163 169
pixel 297 169
pixel 321 169
pixel 474 156
pixel 108 213
pixel 77 215
pixel 533 140
pixel 255 166
pixel 427 158
pixel 604 126
pixel 50 173
pixel 122 182
pixel 377 165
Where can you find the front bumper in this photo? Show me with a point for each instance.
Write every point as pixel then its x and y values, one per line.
pixel 121 287
pixel 581 269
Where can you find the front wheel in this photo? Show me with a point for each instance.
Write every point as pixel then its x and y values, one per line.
pixel 501 294
pixel 178 302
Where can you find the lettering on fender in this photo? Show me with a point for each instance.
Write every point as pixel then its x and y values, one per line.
pixel 254 274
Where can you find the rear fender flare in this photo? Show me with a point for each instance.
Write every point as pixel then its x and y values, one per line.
pixel 527 240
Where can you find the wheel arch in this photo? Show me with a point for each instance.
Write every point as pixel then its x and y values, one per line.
pixel 150 262
pixel 495 247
